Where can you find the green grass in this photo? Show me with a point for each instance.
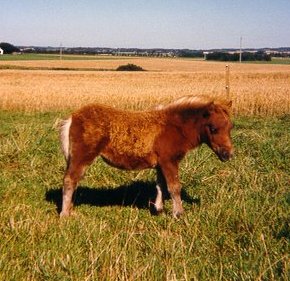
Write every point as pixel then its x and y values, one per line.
pixel 27 57
pixel 54 57
pixel 236 225
pixel 281 60
pixel 20 67
pixel 274 60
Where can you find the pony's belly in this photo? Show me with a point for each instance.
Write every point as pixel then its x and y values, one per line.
pixel 130 162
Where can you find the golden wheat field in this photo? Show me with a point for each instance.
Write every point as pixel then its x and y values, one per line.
pixel 256 89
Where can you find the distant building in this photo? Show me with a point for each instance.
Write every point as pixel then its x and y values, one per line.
pixel 1 51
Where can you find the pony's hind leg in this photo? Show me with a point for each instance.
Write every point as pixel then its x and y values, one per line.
pixel 76 168
pixel 71 178
pixel 159 200
pixel 80 158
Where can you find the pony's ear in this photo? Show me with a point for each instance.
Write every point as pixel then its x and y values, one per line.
pixel 229 104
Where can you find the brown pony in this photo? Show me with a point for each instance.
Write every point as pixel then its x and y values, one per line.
pixel 157 138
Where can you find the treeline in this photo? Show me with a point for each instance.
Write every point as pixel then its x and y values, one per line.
pixel 246 56
pixel 190 53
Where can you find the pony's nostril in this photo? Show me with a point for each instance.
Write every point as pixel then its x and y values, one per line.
pixel 225 155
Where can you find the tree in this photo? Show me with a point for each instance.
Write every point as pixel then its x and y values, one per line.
pixel 8 48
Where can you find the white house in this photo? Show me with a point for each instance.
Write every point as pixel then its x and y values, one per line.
pixel 1 51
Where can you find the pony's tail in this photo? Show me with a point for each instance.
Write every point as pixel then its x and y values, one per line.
pixel 64 137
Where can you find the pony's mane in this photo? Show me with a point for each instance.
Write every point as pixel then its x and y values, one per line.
pixel 190 101
pixel 194 103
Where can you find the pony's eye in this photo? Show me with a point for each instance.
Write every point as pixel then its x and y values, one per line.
pixel 212 129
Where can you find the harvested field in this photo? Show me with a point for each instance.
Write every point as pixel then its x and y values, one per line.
pixel 256 89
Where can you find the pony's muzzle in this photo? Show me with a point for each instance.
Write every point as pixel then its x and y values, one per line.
pixel 225 154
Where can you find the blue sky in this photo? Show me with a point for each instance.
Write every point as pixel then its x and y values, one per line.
pixel 196 24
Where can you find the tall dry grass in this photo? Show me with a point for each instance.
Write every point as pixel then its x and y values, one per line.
pixel 255 89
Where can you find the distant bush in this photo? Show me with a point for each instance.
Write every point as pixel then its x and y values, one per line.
pixel 8 48
pixel 246 56
pixel 130 67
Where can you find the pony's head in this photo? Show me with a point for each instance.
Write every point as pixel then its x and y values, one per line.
pixel 205 120
pixel 216 129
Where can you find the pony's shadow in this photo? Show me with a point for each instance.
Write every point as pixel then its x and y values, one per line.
pixel 138 194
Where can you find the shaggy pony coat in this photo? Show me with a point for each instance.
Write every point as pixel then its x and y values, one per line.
pixel 158 139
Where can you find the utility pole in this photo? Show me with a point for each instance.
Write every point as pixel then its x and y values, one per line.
pixel 241 39
pixel 60 51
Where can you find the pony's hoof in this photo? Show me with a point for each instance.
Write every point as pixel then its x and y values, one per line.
pixel 158 211
pixel 64 214
pixel 154 210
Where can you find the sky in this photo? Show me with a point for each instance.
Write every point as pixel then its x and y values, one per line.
pixel 195 24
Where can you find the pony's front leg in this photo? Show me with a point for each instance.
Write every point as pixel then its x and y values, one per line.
pixel 160 187
pixel 170 172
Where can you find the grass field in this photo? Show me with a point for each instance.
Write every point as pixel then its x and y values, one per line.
pixel 37 57
pixel 237 221
pixel 236 225
pixel 280 60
